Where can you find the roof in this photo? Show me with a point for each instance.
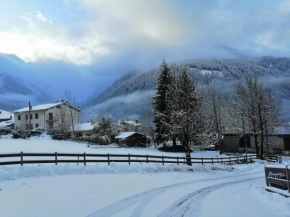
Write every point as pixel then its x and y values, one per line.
pixel 6 124
pixel 83 127
pixel 4 114
pixel 42 107
pixel 124 135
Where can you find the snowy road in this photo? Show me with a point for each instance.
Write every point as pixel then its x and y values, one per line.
pixel 188 205
pixel 138 191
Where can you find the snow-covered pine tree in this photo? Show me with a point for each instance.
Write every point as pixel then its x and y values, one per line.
pixel 185 115
pixel 160 104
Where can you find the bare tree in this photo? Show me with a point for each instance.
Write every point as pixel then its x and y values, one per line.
pixel 148 127
pixel 71 101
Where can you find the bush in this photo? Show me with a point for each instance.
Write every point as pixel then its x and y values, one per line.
pixel 22 135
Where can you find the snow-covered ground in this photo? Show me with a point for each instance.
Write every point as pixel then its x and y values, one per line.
pixel 46 144
pixel 135 190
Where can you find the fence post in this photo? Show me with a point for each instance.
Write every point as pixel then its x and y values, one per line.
pixel 202 160
pixel 147 158
pixel 162 159
pixel 108 159
pixel 288 179
pixel 177 160
pixel 212 160
pixel 129 159
pixel 237 159
pixel 85 163
pixel 21 158
pixel 221 160
pixel 266 175
pixel 55 156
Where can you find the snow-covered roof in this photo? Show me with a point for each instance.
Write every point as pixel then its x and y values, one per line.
pixel 41 107
pixel 5 124
pixel 133 123
pixel 83 127
pixel 124 135
pixel 4 114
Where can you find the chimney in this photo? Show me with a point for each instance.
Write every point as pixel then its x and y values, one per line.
pixel 137 121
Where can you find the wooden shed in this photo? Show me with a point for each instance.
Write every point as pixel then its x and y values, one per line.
pixel 131 139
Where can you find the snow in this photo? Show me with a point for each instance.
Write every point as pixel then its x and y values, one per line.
pixel 83 127
pixel 39 107
pixel 131 190
pixel 133 123
pixel 5 124
pixel 124 135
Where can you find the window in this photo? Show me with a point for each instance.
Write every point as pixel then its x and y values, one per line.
pixel 31 116
pixel 36 116
pixel 19 117
pixel 287 143
pixel 36 125
pixel 10 117
pixel 26 117
pixel 50 117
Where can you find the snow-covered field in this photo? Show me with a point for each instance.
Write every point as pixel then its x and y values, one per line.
pixel 135 190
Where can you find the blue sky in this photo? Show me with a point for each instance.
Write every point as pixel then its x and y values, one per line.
pixel 100 40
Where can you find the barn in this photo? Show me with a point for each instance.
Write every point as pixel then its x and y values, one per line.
pixel 277 143
pixel 131 139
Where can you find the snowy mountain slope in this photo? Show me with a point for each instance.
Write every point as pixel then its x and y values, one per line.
pixel 224 73
pixel 15 93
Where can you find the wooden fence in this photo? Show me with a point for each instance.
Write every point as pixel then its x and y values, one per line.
pixel 84 158
pixel 278 176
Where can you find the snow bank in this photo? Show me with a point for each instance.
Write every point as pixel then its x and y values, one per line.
pixel 12 173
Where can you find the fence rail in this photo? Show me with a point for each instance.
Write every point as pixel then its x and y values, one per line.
pixel 84 158
pixel 278 177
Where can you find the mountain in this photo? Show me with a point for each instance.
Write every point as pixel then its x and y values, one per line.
pixel 15 93
pixel 224 73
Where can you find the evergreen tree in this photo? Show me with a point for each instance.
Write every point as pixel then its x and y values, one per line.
pixel 160 103
pixel 184 105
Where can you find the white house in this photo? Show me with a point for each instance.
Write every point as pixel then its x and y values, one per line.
pixel 55 116
pixel 6 116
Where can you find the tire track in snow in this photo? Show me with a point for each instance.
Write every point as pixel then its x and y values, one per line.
pixel 190 204
pixel 146 197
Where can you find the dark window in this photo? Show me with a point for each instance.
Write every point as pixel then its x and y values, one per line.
pixel 26 117
pixel 50 117
pixel 287 143
pixel 36 125
pixel 19 117
pixel 10 117
pixel 36 116
pixel 30 116
pixel 27 126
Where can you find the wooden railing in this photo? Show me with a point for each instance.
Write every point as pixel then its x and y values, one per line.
pixel 278 176
pixel 84 158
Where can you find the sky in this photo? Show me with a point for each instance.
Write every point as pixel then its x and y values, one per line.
pixel 91 43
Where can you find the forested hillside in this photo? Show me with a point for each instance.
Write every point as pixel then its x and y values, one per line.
pixel 224 73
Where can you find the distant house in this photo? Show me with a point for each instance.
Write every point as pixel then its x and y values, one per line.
pixel 53 116
pixel 82 129
pixel 6 116
pixel 278 143
pixel 131 139
pixel 126 126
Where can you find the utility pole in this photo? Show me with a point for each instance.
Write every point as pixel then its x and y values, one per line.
pixel 245 142
pixel 29 119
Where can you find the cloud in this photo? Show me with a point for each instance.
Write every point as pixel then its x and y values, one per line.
pixel 39 16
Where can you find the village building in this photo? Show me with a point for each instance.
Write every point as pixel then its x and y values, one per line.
pixel 131 139
pixel 6 116
pixel 277 143
pixel 51 117
pixel 126 126
pixel 82 129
